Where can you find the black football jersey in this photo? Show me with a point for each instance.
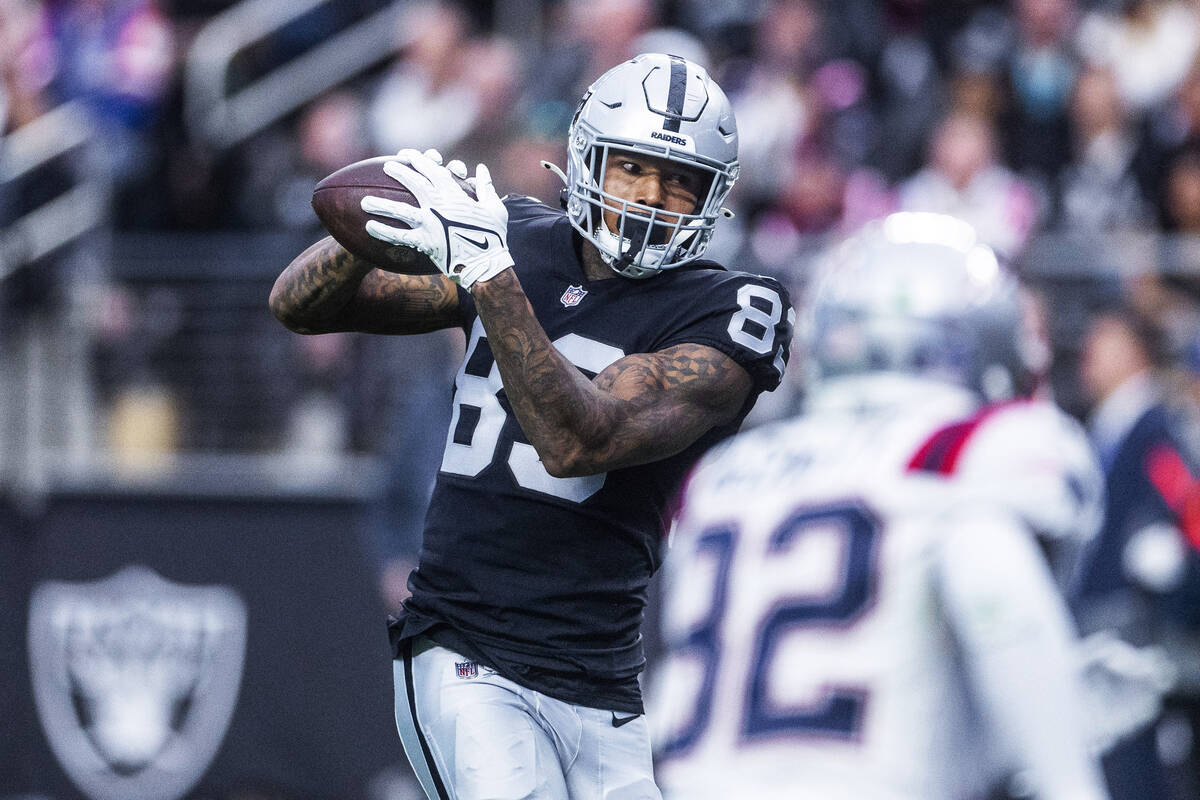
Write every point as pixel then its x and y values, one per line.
pixel 544 579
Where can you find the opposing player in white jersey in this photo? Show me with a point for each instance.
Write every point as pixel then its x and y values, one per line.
pixel 856 604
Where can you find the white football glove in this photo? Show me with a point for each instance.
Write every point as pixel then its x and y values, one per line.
pixel 1123 687
pixel 457 168
pixel 466 239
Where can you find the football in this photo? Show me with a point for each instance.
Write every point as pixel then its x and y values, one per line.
pixel 337 198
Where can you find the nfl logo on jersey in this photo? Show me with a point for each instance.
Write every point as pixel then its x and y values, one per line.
pixel 466 669
pixel 572 296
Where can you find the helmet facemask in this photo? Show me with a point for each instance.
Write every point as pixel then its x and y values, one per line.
pixel 652 106
pixel 648 239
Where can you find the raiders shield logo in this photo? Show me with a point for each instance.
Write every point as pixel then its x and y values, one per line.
pixel 135 679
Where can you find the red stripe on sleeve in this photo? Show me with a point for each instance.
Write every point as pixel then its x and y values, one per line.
pixel 941 452
pixel 1175 484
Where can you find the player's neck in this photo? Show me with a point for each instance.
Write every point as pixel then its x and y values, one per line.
pixel 594 267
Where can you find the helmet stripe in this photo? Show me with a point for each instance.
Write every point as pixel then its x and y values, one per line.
pixel 676 94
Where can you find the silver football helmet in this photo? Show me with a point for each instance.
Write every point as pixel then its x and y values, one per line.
pixel 918 293
pixel 656 105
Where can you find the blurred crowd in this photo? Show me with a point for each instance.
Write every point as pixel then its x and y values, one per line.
pixel 1023 117
pixel 1020 116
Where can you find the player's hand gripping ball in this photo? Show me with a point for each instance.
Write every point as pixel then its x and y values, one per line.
pixel 464 235
pixel 337 199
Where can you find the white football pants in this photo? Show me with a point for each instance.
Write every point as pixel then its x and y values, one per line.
pixel 471 734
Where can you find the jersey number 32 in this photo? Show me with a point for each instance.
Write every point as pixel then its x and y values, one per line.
pixel 836 711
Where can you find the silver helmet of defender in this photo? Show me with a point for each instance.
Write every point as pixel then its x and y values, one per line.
pixel 918 293
pixel 655 105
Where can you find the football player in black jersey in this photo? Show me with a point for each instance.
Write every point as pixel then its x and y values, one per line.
pixel 603 357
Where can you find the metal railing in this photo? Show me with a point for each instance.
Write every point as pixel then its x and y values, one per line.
pixel 79 209
pixel 221 118
pixel 58 195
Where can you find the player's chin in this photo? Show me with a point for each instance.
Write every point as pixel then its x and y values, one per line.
pixel 663 225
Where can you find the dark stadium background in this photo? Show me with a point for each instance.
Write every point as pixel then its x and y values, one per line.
pixel 155 171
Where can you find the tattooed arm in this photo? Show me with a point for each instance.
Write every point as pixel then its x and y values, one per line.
pixel 642 408
pixel 326 289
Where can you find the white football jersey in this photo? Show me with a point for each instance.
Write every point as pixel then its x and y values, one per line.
pixel 1037 461
pixel 846 591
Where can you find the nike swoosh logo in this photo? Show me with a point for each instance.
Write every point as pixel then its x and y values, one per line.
pixel 619 721
pixel 482 244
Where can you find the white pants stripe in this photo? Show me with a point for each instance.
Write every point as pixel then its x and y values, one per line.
pixel 472 734
pixel 411 735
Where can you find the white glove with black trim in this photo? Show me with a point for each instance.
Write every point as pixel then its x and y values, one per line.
pixel 1123 687
pixel 466 239
pixel 457 168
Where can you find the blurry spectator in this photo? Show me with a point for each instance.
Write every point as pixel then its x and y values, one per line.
pixel 425 99
pixel 964 178
pixel 22 99
pixel 675 41
pixel 1180 731
pixel 329 135
pixel 277 169
pixel 609 29
pixel 146 420
pixel 1149 44
pixel 771 99
pixel 493 71
pixel 588 37
pixel 811 204
pixel 1188 395
pixel 317 430
pixel 1180 121
pixel 1141 576
pixel 1122 351
pixel 909 96
pixel 519 170
pixel 812 201
pixel 1041 73
pixel 977 92
pixel 1170 134
pixel 1181 211
pixel 723 24
pixel 1171 292
pixel 143 427
pixel 1098 190
pixel 804 123
pixel 116 56
pixel 23 64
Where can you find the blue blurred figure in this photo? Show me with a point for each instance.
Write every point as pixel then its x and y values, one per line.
pixel 1141 576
